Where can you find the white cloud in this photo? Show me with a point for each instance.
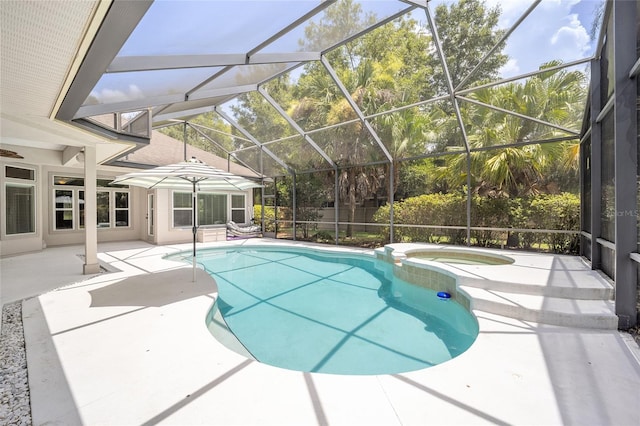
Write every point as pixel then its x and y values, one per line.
pixel 510 68
pixel 114 95
pixel 554 30
pixel 571 41
pixel 551 32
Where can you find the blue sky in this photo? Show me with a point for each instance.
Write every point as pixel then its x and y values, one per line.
pixel 556 29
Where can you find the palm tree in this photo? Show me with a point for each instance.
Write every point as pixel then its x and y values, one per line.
pixel 554 97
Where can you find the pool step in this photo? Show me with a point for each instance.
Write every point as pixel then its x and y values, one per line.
pixel 570 312
pixel 543 288
pixel 586 285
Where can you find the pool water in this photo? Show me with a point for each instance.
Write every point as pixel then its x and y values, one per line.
pixel 307 311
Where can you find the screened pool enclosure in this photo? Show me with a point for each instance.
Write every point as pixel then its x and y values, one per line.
pixel 497 124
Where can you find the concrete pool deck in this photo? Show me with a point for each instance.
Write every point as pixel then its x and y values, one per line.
pixel 130 346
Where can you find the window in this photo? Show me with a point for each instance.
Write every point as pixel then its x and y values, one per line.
pixel 122 208
pixel 19 173
pixel 81 208
pixel 63 209
pixel 212 209
pixel 102 205
pixel 20 200
pixel 68 181
pixel 150 214
pixel 237 209
pixel 182 209
pixel 20 209
pixel 112 204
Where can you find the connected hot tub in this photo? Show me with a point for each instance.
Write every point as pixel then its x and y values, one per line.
pixel 460 256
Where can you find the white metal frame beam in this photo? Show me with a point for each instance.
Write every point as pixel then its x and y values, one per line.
pixel 297 128
pixel 120 21
pixel 443 62
pixel 253 140
pixel 516 114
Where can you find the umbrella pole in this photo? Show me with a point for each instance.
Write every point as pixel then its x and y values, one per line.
pixel 195 206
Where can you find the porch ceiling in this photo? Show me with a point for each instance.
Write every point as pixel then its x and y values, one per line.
pixel 41 44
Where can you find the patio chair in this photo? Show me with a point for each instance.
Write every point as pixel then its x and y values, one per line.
pixel 234 230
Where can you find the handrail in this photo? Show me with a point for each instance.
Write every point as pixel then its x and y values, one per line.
pixel 605 243
pixel 459 227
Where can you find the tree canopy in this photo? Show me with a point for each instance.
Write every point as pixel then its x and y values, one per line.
pixel 390 73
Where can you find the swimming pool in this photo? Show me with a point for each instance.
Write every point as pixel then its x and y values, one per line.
pixel 306 310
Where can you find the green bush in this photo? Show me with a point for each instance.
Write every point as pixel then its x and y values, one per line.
pixel 490 213
pixel 554 212
pixel 429 209
pixel 557 212
pixel 269 217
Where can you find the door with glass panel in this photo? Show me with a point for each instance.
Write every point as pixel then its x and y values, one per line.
pixel 150 217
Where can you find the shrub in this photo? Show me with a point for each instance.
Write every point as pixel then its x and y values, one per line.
pixel 429 209
pixel 269 217
pixel 555 212
pixel 490 213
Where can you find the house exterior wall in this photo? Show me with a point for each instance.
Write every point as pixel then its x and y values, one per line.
pixel 34 160
pixel 53 237
pixel 166 233
pixel 46 164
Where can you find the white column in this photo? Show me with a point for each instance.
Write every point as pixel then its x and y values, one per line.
pixel 91 265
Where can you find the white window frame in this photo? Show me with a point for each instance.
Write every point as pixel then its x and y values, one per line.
pixel 74 204
pixel 229 210
pixel 24 183
pixel 109 208
pixel 151 213
pixel 33 208
pixel 243 208
pixel 117 209
pixel 76 190
pixel 211 225
pixel 174 209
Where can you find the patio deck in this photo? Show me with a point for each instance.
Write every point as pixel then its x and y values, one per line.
pixel 131 347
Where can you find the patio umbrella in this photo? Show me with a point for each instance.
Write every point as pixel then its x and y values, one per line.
pixel 193 175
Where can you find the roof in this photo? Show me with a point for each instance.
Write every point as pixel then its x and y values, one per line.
pixel 163 150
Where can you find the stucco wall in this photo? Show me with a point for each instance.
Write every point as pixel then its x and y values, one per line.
pixel 46 164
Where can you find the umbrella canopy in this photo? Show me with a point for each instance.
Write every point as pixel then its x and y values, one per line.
pixel 193 175
pixel 184 175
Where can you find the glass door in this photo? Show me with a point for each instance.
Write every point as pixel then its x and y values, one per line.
pixel 150 216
